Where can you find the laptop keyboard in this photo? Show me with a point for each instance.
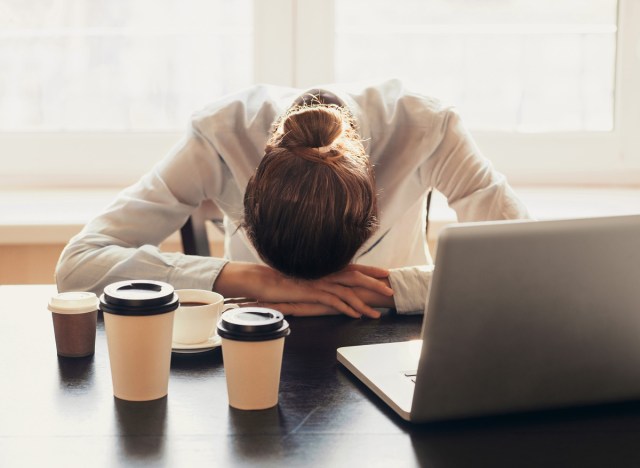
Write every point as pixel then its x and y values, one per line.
pixel 411 375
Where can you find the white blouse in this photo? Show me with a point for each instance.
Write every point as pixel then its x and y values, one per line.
pixel 415 143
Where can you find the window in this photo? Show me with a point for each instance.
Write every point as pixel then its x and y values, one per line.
pixel 123 65
pixel 95 92
pixel 516 65
pixel 573 122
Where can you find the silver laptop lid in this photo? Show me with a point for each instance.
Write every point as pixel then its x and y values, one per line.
pixel 531 315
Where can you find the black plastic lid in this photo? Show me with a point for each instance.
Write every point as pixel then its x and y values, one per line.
pixel 253 324
pixel 139 297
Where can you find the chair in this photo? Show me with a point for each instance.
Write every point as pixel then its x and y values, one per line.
pixel 195 240
pixel 193 233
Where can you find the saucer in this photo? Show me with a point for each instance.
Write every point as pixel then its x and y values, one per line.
pixel 208 345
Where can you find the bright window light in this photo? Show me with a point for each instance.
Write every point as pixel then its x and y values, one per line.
pixel 119 65
pixel 508 65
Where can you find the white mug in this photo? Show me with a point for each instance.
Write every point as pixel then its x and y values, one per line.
pixel 196 319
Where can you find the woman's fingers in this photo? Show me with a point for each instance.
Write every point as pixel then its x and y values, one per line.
pixel 341 291
pixel 346 294
pixel 357 279
pixel 374 272
pixel 307 292
pixel 333 292
pixel 339 303
pixel 302 309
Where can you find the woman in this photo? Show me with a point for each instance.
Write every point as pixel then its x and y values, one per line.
pixel 331 198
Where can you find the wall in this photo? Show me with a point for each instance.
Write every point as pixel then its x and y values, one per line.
pixel 35 263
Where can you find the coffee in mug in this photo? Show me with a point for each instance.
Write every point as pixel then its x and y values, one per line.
pixel 138 320
pixel 196 319
pixel 252 347
pixel 74 317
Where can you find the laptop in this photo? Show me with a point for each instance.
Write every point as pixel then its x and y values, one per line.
pixel 521 316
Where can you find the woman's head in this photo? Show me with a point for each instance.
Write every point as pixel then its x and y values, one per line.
pixel 312 202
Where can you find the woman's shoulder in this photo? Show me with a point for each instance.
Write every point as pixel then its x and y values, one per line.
pixel 395 99
pixel 245 105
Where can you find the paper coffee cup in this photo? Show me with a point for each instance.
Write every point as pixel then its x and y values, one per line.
pixel 196 319
pixel 252 347
pixel 138 320
pixel 74 317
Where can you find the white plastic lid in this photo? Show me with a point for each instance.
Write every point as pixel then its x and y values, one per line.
pixel 73 303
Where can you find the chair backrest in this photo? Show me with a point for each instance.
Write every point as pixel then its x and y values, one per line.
pixel 195 240
pixel 193 233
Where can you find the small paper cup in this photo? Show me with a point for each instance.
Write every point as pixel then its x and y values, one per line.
pixel 74 316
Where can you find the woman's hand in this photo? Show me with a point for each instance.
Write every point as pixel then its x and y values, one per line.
pixel 368 296
pixel 343 292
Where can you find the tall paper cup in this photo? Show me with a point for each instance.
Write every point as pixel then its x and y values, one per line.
pixel 252 347
pixel 138 319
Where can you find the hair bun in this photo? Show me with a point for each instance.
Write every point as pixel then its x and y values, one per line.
pixel 317 133
pixel 312 193
pixel 312 127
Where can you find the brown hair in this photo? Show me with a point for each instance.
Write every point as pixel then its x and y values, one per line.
pixel 311 203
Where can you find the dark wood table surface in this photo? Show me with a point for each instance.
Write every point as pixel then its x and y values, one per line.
pixel 61 412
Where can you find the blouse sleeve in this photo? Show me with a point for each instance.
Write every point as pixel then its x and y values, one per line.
pixel 122 242
pixel 474 190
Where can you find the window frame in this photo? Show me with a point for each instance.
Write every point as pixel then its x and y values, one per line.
pixel 116 159
pixel 592 158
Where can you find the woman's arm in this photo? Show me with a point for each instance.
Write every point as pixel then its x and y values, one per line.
pixel 473 188
pixel 410 286
pixel 122 242
pixel 353 291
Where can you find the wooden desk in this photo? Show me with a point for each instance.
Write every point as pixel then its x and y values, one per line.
pixel 61 412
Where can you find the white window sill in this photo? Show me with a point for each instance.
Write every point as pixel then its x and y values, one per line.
pixel 54 216
pixel 558 202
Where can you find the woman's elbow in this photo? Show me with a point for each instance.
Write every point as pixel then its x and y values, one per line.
pixel 72 270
